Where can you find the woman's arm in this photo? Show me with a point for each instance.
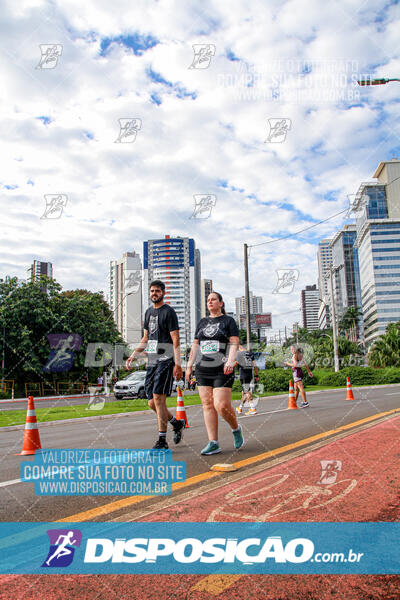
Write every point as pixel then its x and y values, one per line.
pixel 192 356
pixel 233 349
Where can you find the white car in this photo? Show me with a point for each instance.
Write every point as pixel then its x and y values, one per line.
pixel 131 386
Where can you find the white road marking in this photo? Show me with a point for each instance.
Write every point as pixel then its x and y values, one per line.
pixel 11 482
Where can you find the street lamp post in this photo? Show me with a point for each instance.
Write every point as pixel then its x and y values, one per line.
pixel 333 313
pixel 247 293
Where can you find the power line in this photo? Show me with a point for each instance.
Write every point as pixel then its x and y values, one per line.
pixel 285 237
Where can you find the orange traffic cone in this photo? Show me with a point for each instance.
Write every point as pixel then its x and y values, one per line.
pixel 180 407
pixel 292 402
pixel 349 394
pixel 31 441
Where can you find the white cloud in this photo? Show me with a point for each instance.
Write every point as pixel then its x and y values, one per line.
pixel 122 194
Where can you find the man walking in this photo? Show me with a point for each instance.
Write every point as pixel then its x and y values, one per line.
pixel 161 343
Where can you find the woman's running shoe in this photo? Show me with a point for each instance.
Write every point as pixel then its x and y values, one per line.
pixel 251 411
pixel 238 438
pixel 304 404
pixel 211 448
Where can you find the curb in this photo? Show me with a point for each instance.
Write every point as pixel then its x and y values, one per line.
pixel 138 412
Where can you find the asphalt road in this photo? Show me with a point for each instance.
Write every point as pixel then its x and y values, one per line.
pixel 271 428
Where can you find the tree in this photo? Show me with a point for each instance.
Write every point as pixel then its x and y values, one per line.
pixel 348 324
pixel 29 313
pixel 243 337
pixel 385 352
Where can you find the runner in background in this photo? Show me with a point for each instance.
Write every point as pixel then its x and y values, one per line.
pixel 297 363
pixel 246 362
pixel 214 350
pixel 161 342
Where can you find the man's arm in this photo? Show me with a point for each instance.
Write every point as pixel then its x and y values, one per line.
pixel 139 350
pixel 177 354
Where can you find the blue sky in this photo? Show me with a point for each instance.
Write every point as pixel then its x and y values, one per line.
pixel 199 131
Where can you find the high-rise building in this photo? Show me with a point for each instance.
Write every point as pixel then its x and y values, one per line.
pixel 39 268
pixel 310 306
pixel 206 289
pixel 377 207
pixel 346 280
pixel 126 296
pixel 324 257
pixel 256 305
pixel 176 262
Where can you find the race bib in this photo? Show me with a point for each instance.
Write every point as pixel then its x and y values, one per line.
pixel 209 347
pixel 152 346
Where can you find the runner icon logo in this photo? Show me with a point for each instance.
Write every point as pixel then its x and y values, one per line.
pixel 61 551
pixel 329 471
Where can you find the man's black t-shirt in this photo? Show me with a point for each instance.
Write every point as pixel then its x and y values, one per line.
pixel 213 334
pixel 159 322
pixel 245 359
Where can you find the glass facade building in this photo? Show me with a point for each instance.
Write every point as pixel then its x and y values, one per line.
pixel 378 243
pixel 176 262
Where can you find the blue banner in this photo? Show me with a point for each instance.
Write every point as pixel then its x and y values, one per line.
pixel 102 472
pixel 200 548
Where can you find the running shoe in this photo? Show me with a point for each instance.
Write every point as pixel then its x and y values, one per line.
pixel 238 438
pixel 252 411
pixel 178 430
pixel 211 448
pixel 161 444
pixel 304 404
pixel 239 409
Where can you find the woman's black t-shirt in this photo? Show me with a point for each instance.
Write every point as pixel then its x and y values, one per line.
pixel 213 334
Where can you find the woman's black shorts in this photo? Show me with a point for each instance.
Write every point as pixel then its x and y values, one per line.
pixel 216 380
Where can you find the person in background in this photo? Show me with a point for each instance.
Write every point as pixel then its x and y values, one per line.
pixel 247 364
pixel 298 374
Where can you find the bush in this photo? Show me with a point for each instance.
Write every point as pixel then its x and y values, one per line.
pixel 237 386
pixel 389 375
pixel 275 380
pixel 337 379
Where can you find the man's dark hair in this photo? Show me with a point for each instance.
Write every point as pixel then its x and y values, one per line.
pixel 158 283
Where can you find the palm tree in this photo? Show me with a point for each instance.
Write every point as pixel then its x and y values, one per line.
pixel 386 350
pixel 349 321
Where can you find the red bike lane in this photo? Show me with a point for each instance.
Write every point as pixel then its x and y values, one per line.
pixel 355 478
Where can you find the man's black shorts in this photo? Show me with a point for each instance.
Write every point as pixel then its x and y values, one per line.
pixel 217 380
pixel 159 378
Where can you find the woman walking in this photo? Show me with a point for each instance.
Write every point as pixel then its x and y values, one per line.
pixel 297 363
pixel 214 351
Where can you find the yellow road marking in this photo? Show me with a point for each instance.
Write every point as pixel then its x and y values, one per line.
pixel 124 502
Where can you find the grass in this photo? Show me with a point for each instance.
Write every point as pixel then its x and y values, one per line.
pixel 77 411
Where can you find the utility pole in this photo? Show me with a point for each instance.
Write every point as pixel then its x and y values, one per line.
pixel 247 293
pixel 3 360
pixel 335 346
